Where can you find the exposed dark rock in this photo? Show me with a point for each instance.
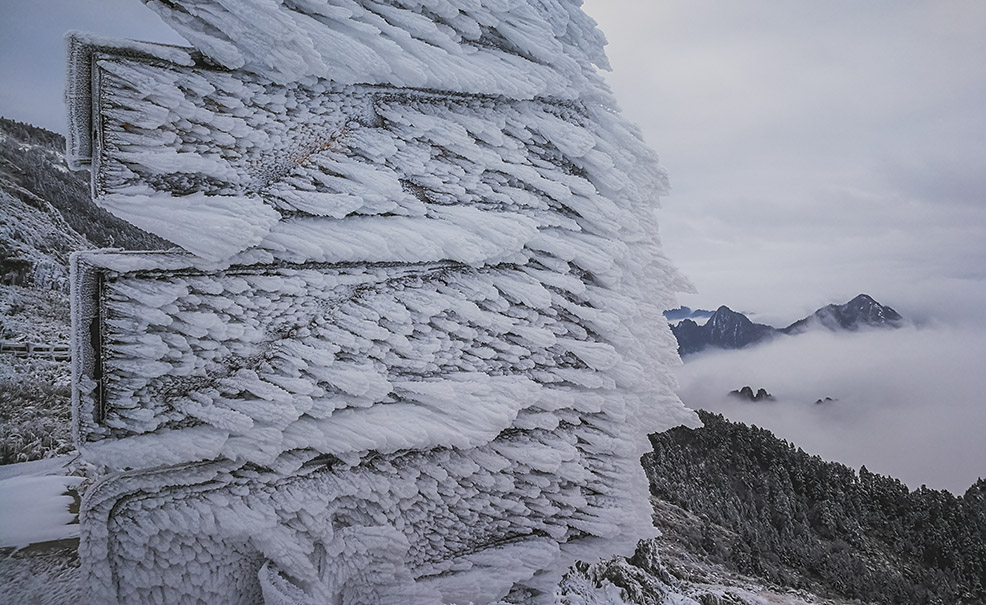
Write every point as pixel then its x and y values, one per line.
pixel 859 312
pixel 683 312
pixel 747 394
pixel 726 329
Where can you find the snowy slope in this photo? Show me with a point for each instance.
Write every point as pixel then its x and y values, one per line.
pixel 45 214
pixel 35 240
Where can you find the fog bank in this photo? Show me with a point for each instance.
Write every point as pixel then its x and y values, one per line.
pixel 910 403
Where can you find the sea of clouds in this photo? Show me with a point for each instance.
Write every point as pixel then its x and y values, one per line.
pixel 910 403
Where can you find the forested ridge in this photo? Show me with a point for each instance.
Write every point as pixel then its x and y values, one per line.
pixel 32 158
pixel 771 510
pixel 46 215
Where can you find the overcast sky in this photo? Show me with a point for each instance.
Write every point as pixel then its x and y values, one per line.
pixel 816 150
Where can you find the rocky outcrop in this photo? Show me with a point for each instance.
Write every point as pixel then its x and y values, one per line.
pixel 860 312
pixel 746 393
pixel 726 329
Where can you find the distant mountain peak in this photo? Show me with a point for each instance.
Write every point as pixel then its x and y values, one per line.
pixel 725 321
pixel 746 393
pixel 683 312
pixel 863 311
pixel 728 329
pixel 725 329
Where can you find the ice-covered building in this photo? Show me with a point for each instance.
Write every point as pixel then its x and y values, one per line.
pixel 416 343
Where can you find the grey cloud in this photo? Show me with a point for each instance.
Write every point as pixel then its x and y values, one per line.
pixel 909 402
pixel 815 149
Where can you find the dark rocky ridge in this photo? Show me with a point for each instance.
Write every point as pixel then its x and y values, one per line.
pixel 747 394
pixel 859 312
pixel 686 313
pixel 727 329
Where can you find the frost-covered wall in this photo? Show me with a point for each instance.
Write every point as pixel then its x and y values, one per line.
pixel 416 344
pixel 513 48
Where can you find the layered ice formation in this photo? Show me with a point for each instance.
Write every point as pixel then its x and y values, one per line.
pixel 513 48
pixel 416 343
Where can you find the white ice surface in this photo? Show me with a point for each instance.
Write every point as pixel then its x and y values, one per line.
pixel 36 509
pixel 517 48
pixel 420 338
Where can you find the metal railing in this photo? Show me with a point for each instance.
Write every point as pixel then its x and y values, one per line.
pixel 56 352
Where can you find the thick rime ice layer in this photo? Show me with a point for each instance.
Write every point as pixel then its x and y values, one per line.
pixel 36 509
pixel 213 161
pixel 490 372
pixel 80 47
pixel 418 345
pixel 257 361
pixel 411 520
pixel 514 48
